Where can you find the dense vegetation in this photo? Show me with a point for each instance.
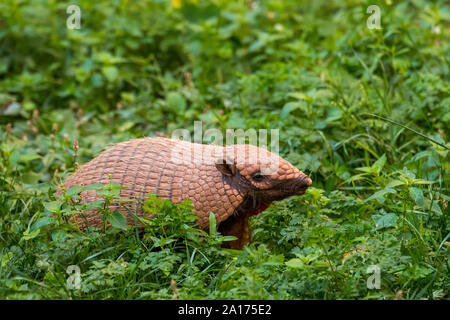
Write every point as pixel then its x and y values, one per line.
pixel 364 111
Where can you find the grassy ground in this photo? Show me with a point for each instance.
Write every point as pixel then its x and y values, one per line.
pixel 364 111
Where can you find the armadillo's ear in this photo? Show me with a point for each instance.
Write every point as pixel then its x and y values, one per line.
pixel 226 166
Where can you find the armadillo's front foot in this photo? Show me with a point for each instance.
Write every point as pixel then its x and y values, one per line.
pixel 237 244
pixel 236 225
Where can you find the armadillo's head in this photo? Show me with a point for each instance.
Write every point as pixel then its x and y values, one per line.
pixel 261 176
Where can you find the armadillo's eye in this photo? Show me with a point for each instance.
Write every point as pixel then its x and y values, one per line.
pixel 258 177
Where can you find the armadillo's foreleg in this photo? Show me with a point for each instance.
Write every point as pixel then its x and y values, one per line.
pixel 236 225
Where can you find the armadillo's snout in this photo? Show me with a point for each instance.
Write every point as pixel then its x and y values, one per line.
pixel 302 183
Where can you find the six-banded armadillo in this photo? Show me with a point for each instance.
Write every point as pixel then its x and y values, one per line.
pixel 234 182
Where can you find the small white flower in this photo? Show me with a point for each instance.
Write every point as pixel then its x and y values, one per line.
pixel 436 29
pixel 278 27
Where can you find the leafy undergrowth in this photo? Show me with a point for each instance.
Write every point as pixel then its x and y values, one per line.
pixel 365 112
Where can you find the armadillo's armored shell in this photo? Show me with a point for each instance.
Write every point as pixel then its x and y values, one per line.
pixel 159 166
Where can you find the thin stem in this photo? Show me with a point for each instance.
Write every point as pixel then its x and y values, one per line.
pixel 403 126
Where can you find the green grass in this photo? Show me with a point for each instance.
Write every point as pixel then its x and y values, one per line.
pixel 364 112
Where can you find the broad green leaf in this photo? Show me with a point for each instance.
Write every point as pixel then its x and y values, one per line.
pixel 235 121
pixel 107 58
pixel 29 157
pixel 395 183
pixel 109 194
pixel 126 126
pixel 117 220
pixel 53 206
pixel 334 114
pixel 28 234
pixel 6 258
pixel 379 164
pixel 110 72
pixel 59 235
pixel 417 195
pixel 408 173
pixel 291 106
pixel 435 208
pixel 300 96
pixel 95 186
pixel 176 102
pixel 380 195
pixel 31 177
pixel 72 191
pixel 295 263
pixel 94 205
pixel 385 221
pixel 42 222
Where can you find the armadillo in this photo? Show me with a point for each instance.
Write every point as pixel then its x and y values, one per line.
pixel 234 182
